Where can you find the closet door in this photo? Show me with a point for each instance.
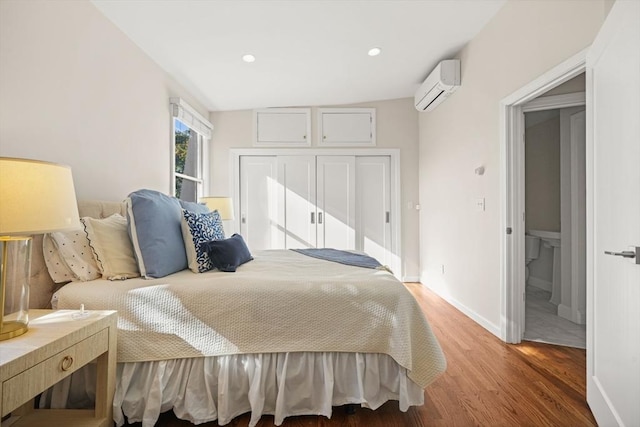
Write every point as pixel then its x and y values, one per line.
pixel 336 201
pixel 297 194
pixel 259 206
pixel 373 207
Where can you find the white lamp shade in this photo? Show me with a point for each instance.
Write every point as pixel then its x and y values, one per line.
pixel 36 197
pixel 224 206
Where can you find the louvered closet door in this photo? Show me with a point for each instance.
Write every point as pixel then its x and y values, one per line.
pixel 336 187
pixel 373 207
pixel 297 193
pixel 259 207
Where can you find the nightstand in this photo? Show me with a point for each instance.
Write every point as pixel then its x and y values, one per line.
pixel 55 346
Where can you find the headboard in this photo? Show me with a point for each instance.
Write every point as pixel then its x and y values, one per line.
pixel 41 286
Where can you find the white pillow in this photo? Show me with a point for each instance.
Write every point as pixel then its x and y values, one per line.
pixel 69 257
pixel 112 247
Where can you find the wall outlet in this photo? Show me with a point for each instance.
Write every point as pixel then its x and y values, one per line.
pixel 479 203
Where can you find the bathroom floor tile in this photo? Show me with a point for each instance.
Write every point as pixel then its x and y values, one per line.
pixel 543 325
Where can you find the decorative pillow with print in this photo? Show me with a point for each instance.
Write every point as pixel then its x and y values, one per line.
pixel 68 256
pixel 198 228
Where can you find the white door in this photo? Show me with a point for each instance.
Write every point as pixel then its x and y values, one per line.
pixel 373 207
pixel 613 218
pixel 259 210
pixel 336 185
pixel 297 194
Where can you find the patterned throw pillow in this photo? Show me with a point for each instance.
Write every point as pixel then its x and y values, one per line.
pixel 198 228
pixel 68 256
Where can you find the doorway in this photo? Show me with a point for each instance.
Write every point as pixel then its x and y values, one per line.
pixel 555 220
pixel 512 221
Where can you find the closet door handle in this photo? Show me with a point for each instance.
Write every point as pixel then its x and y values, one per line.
pixel 319 217
pixel 387 217
pixel 313 217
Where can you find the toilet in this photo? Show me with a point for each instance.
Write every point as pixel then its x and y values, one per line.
pixel 531 252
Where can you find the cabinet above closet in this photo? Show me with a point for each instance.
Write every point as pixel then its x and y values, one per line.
pixel 282 127
pixel 346 127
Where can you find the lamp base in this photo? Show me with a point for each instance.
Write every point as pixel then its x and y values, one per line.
pixel 12 330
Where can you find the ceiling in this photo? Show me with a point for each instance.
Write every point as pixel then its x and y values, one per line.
pixel 308 52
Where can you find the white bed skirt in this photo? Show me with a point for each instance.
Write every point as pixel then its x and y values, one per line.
pixel 209 388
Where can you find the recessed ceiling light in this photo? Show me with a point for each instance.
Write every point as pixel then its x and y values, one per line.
pixel 248 58
pixel 375 51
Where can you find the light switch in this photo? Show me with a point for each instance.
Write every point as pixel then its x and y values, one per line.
pixel 479 204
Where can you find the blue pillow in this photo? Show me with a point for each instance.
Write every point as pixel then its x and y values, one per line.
pixel 228 254
pixel 156 234
pixel 194 207
pixel 196 229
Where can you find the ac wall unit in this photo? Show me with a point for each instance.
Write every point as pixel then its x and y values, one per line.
pixel 442 82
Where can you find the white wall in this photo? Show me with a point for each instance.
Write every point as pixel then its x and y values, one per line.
pixel 542 173
pixel 523 40
pixel 397 127
pixel 75 90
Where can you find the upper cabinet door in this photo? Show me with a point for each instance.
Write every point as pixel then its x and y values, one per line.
pixel 282 127
pixel 347 127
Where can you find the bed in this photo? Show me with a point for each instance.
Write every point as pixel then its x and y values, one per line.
pixel 286 334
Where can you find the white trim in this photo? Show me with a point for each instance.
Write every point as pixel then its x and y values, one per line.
pixel 411 279
pixel 489 326
pixel 574 315
pixel 172 159
pixel 555 101
pixel 393 153
pixel 512 266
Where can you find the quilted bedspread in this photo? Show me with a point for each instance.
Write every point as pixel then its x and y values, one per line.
pixel 282 301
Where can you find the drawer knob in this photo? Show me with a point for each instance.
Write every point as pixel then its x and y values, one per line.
pixel 66 364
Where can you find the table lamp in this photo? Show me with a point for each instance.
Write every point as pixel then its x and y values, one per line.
pixel 35 197
pixel 224 206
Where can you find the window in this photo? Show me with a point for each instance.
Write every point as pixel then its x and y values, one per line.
pixel 191 133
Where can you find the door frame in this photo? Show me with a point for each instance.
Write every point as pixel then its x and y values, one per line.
pixel 396 208
pixel 512 180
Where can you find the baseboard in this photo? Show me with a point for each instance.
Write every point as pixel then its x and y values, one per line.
pixel 566 312
pixel 494 329
pixel 540 283
pixel 411 279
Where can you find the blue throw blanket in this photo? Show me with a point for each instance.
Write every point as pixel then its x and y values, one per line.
pixel 342 257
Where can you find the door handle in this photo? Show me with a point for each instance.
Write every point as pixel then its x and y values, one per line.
pixel 624 254
pixel 633 254
pixel 313 217
pixel 319 217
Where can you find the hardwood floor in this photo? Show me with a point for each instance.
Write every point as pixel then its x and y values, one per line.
pixel 487 383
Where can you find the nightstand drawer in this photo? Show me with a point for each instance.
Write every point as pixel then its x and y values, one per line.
pixel 28 384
